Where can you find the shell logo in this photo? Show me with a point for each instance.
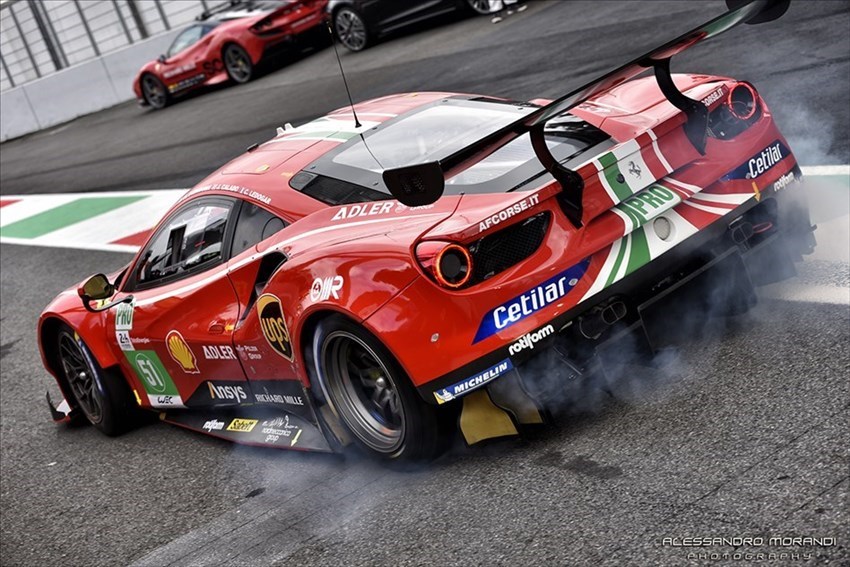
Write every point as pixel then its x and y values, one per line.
pixel 181 353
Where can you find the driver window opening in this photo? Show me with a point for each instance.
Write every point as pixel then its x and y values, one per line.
pixel 191 239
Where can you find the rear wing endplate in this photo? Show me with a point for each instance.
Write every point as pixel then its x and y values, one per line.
pixel 423 184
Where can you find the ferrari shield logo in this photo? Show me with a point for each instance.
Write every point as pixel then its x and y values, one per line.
pixel 274 325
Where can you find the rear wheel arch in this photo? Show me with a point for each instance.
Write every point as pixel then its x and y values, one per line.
pixel 252 63
pixel 424 433
pixel 311 324
pixel 305 341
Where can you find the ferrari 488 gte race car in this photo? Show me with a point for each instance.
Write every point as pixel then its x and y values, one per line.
pixel 226 43
pixel 387 276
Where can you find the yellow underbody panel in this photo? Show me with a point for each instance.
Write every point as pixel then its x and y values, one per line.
pixel 481 419
pixel 509 395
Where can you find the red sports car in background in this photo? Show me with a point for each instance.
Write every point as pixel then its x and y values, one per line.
pixel 227 43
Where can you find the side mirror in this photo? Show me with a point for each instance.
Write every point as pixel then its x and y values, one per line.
pixel 98 288
pixel 161 58
pixel 416 185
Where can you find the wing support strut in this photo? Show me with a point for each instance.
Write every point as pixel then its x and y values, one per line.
pixel 696 128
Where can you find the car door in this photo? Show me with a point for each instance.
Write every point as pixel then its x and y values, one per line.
pixel 177 332
pixel 391 15
pixel 261 338
pixel 184 57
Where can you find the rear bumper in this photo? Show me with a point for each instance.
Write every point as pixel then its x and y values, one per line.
pixel 714 272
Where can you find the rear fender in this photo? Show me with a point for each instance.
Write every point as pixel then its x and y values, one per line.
pixel 356 281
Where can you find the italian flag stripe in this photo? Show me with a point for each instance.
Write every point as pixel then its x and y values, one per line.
pixel 650 158
pixel 611 171
pixel 639 254
pixel 621 253
pixel 658 154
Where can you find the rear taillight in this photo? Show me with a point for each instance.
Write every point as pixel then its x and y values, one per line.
pixel 450 264
pixel 455 266
pixel 742 101
pixel 741 109
pixel 261 25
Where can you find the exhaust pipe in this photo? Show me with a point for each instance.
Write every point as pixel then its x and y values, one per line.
pixel 600 318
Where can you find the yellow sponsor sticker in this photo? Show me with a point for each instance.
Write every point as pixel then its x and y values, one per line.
pixel 273 325
pixel 243 425
pixel 756 191
pixel 181 353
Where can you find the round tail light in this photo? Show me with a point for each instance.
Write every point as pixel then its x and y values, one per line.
pixel 453 266
pixel 742 101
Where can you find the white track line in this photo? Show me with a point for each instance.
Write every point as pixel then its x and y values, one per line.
pixel 826 169
pixel 71 245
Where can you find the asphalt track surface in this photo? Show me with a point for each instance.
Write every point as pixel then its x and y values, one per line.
pixel 741 434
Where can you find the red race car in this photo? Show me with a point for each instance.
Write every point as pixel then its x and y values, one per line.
pixel 226 44
pixel 437 259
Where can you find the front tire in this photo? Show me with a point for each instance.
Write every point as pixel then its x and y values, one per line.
pixel 372 396
pixel 351 29
pixel 480 7
pixel 154 92
pixel 102 395
pixel 238 64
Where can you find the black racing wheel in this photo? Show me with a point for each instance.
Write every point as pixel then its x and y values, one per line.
pixel 238 63
pixel 102 395
pixel 154 92
pixel 351 29
pixel 373 397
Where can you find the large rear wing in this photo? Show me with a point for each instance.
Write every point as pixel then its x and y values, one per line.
pixel 422 184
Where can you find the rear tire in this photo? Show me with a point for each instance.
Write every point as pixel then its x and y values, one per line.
pixel 154 92
pixel 373 397
pixel 102 395
pixel 237 63
pixel 351 29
